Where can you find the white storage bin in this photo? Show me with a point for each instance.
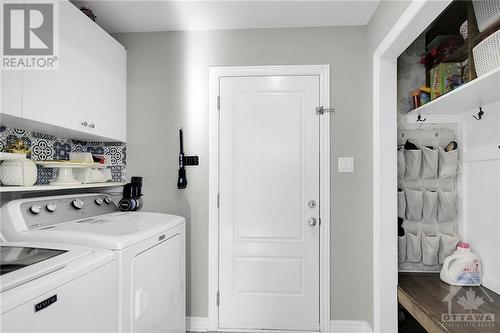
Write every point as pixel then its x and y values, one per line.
pixel 430 246
pixel 413 248
pixel 448 163
pixel 429 163
pixel 447 206
pixel 414 205
pixel 447 245
pixel 429 211
pixel 401 249
pixel 487 54
pixel 401 205
pixel 487 12
pixel 18 172
pixel 413 161
pixel 401 163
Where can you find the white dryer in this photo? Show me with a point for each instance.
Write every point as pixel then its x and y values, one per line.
pixel 57 288
pixel 150 249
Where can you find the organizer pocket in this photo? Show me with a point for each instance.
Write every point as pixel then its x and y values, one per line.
pixel 401 163
pixel 447 245
pixel 429 210
pixel 414 204
pixel 430 246
pixel 447 206
pixel 429 163
pixel 413 161
pixel 448 163
pixel 401 204
pixel 413 248
pixel 401 249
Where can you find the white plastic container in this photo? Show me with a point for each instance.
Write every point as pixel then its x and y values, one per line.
pixel 487 54
pixel 20 172
pixel 462 268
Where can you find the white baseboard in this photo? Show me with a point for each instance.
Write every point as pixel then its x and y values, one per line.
pixel 200 324
pixel 350 326
pixel 197 324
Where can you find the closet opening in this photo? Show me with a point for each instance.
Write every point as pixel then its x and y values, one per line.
pixel 448 172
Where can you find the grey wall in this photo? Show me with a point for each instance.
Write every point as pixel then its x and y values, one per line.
pixel 168 88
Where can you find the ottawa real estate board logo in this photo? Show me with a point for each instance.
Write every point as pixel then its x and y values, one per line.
pixel 29 35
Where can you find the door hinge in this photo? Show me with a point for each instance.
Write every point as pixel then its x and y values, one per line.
pixel 218 103
pixel 319 221
pixel 321 110
pixel 218 200
pixel 218 298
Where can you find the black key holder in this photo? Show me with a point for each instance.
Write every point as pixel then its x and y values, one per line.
pixel 183 162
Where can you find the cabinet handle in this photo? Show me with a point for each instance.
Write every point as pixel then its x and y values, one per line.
pixel 84 123
pixel 92 125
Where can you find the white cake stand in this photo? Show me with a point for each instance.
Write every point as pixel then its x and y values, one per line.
pixel 65 170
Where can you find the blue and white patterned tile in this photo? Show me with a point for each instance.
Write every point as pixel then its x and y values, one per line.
pixel 45 175
pixel 115 154
pixel 42 150
pixel 48 147
pixel 61 150
pixel 95 150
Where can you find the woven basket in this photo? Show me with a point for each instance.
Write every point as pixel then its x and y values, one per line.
pixel 487 54
pixel 487 12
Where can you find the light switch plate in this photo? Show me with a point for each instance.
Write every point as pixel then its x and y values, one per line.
pixel 346 164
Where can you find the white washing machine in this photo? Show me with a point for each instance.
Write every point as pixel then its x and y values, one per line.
pixel 150 249
pixel 57 288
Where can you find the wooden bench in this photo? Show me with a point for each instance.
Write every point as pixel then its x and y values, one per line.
pixel 439 307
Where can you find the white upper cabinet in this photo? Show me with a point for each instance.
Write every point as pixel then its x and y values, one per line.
pixel 57 97
pixel 11 98
pixel 106 82
pixel 85 98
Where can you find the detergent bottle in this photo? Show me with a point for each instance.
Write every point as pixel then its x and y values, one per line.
pixel 462 268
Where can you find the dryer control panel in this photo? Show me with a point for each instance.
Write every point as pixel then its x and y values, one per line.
pixel 48 211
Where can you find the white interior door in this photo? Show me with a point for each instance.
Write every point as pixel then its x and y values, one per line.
pixel 269 196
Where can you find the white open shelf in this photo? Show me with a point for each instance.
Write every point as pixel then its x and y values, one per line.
pixel 450 107
pixel 34 188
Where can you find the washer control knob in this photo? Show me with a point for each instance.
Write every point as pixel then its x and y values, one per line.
pixel 51 207
pixel 77 203
pixel 98 201
pixel 107 200
pixel 36 209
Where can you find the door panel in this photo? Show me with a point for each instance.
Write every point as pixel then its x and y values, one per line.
pixel 269 170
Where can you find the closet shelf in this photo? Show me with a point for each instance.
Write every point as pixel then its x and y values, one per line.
pixel 35 188
pixel 449 108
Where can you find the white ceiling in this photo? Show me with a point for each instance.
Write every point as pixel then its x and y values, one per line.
pixel 139 16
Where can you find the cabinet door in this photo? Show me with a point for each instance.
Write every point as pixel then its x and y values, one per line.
pixel 11 98
pixel 58 97
pixel 105 105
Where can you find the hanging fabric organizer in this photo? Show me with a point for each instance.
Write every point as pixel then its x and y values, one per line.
pixel 427 199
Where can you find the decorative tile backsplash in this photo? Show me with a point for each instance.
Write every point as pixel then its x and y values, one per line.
pixel 48 147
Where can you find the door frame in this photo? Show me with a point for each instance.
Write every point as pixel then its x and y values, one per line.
pixel 415 19
pixel 215 73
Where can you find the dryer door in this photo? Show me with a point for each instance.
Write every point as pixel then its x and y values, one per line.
pixel 158 287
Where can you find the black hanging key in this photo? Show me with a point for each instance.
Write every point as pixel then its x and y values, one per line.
pixel 181 180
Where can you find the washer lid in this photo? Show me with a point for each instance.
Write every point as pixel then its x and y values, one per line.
pixel 22 263
pixel 113 231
